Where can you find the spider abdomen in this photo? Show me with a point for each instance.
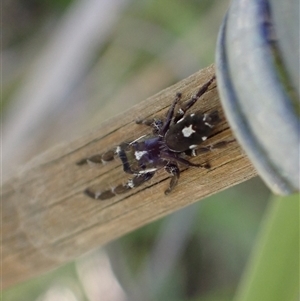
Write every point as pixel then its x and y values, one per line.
pixel 190 131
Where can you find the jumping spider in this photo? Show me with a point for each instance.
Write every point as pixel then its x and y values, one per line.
pixel 173 139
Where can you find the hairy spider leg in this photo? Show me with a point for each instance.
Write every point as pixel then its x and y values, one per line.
pixel 169 116
pixel 174 171
pixel 159 127
pixel 155 123
pixel 204 149
pixel 99 158
pixel 172 157
pixel 134 182
pixel 193 100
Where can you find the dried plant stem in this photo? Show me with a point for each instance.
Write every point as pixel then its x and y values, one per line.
pixel 47 220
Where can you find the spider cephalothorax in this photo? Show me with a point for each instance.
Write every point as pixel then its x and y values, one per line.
pixel 171 141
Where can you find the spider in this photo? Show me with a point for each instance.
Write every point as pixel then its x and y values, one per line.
pixel 171 141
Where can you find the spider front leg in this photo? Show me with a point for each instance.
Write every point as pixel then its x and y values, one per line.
pixel 193 100
pixel 99 158
pixel 169 116
pixel 136 181
pixel 174 170
pixel 156 124
pixel 160 127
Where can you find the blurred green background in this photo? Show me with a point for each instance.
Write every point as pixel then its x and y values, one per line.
pixel 69 65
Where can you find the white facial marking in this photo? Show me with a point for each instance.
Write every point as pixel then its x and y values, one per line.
pixel 209 125
pixel 204 138
pixel 193 114
pixel 140 154
pixel 180 120
pixel 188 131
pixel 204 117
pixel 192 146
pixel 194 153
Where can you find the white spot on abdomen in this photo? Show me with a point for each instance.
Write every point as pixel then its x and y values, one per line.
pixel 206 123
pixel 209 125
pixel 188 131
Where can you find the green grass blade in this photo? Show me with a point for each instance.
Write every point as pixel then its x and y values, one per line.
pixel 272 273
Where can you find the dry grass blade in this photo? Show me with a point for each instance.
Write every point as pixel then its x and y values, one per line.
pixel 47 220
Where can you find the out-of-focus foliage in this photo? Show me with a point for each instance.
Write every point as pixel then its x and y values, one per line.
pixel 196 254
pixel 110 62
